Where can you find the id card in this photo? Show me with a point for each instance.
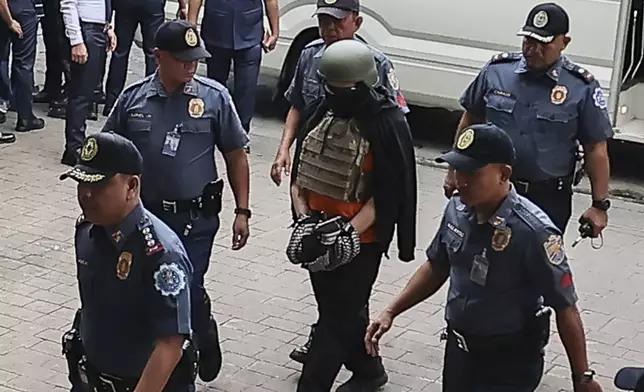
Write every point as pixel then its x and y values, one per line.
pixel 480 266
pixel 171 144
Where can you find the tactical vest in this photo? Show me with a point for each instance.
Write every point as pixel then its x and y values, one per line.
pixel 331 161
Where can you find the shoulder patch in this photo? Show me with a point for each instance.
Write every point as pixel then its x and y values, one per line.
pixel 553 246
pixel 169 279
pixel 316 42
pixel 581 73
pixel 505 57
pixel 152 244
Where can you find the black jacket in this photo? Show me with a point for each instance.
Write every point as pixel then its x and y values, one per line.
pixel 383 124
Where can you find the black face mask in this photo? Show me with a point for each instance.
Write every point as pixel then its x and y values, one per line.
pixel 346 102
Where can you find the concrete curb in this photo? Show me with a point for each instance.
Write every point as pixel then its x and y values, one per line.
pixel 617 194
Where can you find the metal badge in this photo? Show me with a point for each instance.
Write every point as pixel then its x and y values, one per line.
pixel 501 238
pixel 540 20
pixel 191 38
pixel 90 149
pixel 465 139
pixel 124 265
pixel 196 107
pixel 558 95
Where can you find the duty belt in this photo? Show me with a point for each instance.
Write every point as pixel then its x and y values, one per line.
pixel 175 206
pixel 554 184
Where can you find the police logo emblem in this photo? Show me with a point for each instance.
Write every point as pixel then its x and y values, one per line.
pixel 598 98
pixel 501 239
pixel 90 149
pixel 540 20
pixel 191 38
pixel 124 265
pixel 465 140
pixel 169 279
pixel 393 79
pixel 554 249
pixel 558 95
pixel 329 2
pixel 196 107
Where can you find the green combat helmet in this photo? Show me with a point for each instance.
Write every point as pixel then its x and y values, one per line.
pixel 349 61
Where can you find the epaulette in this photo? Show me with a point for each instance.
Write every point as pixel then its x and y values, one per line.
pixel 505 57
pixel 536 223
pixel 316 42
pixel 209 82
pixel 152 244
pixel 581 73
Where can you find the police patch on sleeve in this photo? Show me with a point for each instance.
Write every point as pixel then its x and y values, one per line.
pixel 393 79
pixel 554 249
pixel 169 279
pixel 598 97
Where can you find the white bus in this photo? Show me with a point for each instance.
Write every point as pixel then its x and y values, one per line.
pixel 438 46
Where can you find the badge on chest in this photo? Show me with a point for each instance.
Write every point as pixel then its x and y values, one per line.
pixel 124 265
pixel 501 238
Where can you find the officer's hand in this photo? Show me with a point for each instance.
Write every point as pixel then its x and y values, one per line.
pixel 281 164
pixel 16 28
pixel 182 13
pixel 111 40
pixel 79 53
pixel 592 386
pixel 376 329
pixel 597 218
pixel 449 184
pixel 240 231
pixel 270 41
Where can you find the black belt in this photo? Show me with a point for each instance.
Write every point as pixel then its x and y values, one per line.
pixel 175 206
pixel 551 185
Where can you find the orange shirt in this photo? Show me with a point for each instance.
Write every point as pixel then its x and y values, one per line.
pixel 333 207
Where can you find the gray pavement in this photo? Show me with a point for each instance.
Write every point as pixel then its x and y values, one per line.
pixel 264 304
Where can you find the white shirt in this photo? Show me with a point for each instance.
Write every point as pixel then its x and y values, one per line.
pixel 76 11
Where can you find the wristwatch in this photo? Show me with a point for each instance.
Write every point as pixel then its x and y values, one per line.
pixel 243 211
pixel 585 377
pixel 602 205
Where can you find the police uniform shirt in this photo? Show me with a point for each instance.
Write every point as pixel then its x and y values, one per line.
pixel 306 85
pixel 177 134
pixel 134 288
pixel 500 268
pixel 544 113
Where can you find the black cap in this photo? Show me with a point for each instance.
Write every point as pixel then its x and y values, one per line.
pixel 478 146
pixel 180 38
pixel 545 22
pixel 103 155
pixel 338 9
pixel 630 379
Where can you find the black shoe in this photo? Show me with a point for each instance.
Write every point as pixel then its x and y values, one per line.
pixel 30 125
pixel 209 354
pixel 57 109
pixel 69 158
pixel 41 97
pixel 301 353
pixel 357 384
pixel 93 114
pixel 7 138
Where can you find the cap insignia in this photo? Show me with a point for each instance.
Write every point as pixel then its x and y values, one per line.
pixel 329 2
pixel 540 20
pixel 191 37
pixel 465 139
pixel 89 150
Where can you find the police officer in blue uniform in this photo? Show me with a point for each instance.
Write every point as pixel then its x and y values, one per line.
pixel 546 103
pixel 133 327
pixel 177 119
pixel 337 20
pixel 19 32
pixel 149 14
pixel 90 35
pixel 233 31
pixel 507 268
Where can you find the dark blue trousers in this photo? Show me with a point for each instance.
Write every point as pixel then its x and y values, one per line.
pixel 53 35
pixel 83 81
pixel 246 73
pixel 18 87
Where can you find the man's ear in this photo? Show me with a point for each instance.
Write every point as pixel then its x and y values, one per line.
pixel 133 186
pixel 506 172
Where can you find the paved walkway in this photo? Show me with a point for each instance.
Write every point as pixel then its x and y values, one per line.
pixel 263 304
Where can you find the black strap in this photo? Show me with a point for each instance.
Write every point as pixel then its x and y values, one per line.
pixel 174 206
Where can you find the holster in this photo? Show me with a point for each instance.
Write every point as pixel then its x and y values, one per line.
pixel 73 349
pixel 211 198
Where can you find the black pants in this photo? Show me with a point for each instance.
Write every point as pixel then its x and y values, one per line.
pixel 490 372
pixel 556 203
pixel 53 35
pixel 342 296
pixel 84 78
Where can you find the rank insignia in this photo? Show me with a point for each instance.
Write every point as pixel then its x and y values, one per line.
pixel 558 95
pixel 169 279
pixel 196 107
pixel 501 238
pixel 117 236
pixel 191 38
pixel 123 266
pixel 465 139
pixel 554 249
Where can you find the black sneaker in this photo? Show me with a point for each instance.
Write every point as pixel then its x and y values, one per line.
pixel 301 353
pixel 209 354
pixel 358 384
pixel 30 125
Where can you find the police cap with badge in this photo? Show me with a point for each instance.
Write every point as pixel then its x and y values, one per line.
pixel 103 155
pixel 338 9
pixel 545 22
pixel 478 146
pixel 180 38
